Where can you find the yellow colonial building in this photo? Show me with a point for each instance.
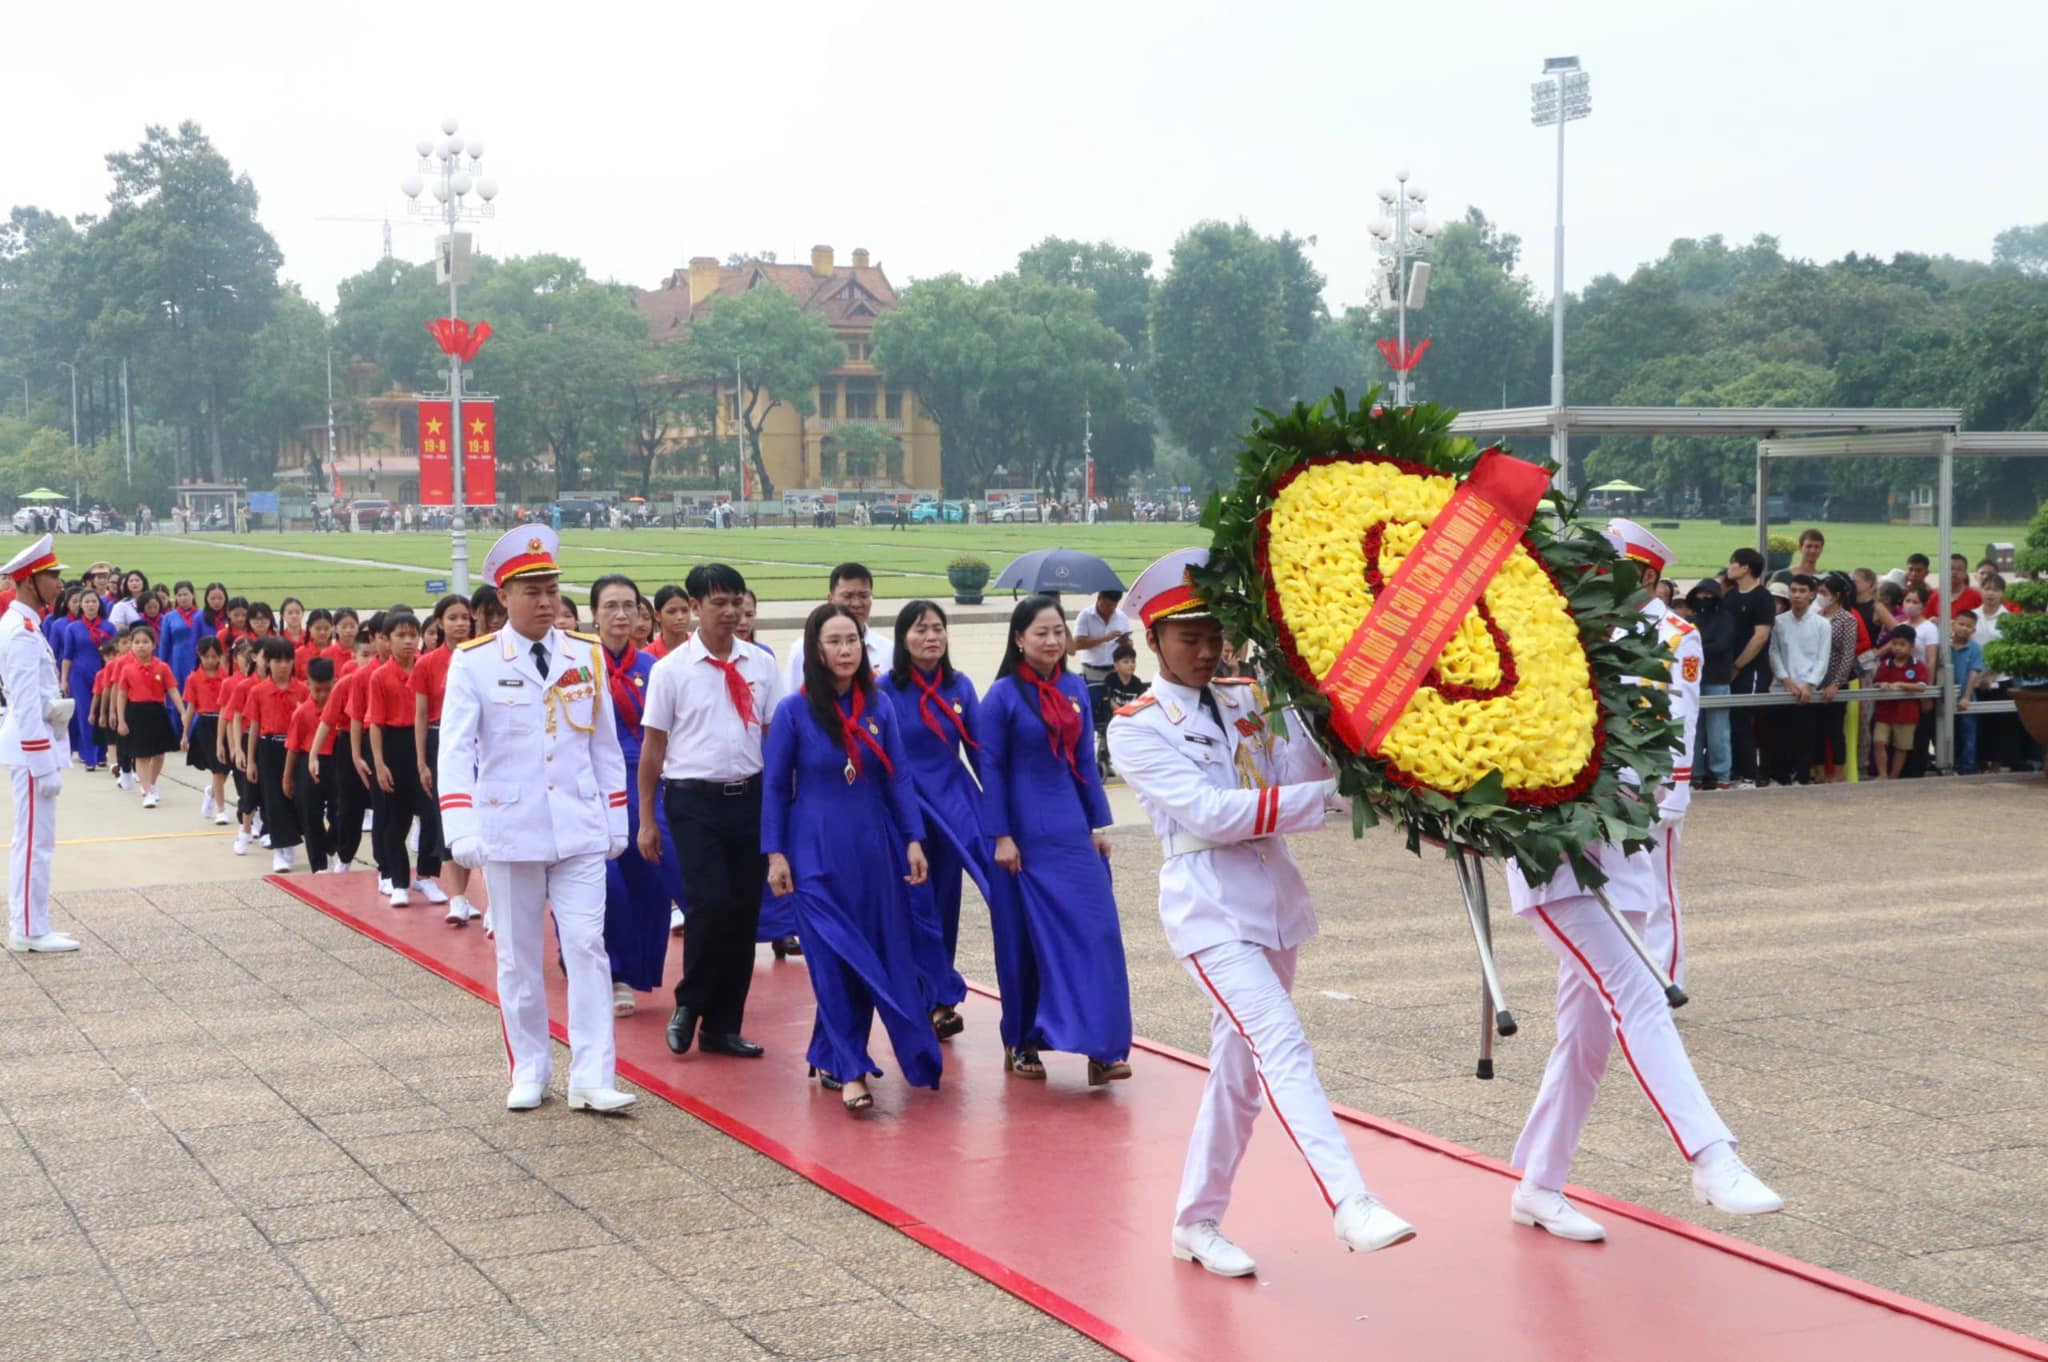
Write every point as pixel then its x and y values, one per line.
pixel 800 451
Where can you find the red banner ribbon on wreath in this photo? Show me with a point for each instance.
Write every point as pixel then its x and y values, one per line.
pixel 1425 600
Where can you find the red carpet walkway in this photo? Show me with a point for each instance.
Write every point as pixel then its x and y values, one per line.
pixel 1064 1196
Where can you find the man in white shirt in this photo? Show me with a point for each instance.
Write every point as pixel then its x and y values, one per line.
pixel 1799 659
pixel 708 704
pixel 852 586
pixel 1096 634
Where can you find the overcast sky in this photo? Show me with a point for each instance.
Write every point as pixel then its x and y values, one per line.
pixel 946 136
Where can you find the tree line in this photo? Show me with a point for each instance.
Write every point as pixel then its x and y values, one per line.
pixel 1083 348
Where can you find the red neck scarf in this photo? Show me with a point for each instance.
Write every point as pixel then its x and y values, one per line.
pixel 737 689
pixel 1062 716
pixel 856 735
pixel 620 675
pixel 186 612
pixel 933 705
pixel 97 627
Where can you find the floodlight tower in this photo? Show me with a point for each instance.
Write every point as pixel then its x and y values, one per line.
pixel 1564 95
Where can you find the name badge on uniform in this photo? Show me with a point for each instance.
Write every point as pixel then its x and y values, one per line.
pixel 510 681
pixel 1202 738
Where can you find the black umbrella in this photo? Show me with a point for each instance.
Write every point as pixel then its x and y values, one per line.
pixel 1053 571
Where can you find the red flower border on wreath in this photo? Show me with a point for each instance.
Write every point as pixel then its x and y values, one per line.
pixel 1549 795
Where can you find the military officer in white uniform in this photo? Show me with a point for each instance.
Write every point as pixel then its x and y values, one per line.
pixel 533 792
pixel 1221 788
pixel 1605 995
pixel 1664 932
pixel 35 745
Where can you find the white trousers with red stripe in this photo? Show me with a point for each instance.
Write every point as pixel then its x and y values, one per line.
pixel 1257 1052
pixel 1664 932
pixel 521 894
pixel 28 859
pixel 1604 995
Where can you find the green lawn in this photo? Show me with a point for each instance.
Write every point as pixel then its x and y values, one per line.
pixel 791 564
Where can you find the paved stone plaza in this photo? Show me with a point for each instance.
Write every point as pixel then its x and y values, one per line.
pixel 234 1128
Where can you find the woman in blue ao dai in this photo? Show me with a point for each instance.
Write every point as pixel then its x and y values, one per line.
pixel 1059 946
pixel 637 893
pixel 939 712
pixel 842 833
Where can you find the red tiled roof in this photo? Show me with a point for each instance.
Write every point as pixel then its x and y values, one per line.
pixel 849 298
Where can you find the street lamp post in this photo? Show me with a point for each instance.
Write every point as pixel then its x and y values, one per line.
pixel 1402 232
pixel 451 170
pixel 77 486
pixel 1563 96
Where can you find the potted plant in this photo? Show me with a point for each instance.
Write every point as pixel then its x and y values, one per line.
pixel 968 575
pixel 2021 651
pixel 1780 548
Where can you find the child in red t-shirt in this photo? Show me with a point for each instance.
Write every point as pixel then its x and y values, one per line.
pixel 100 712
pixel 267 714
pixel 1893 721
pixel 314 792
pixel 139 713
pixel 389 711
pixel 203 688
pixel 231 745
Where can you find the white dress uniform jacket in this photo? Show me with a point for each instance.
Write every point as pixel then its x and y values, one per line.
pixel 531 764
pixel 28 669
pixel 1228 875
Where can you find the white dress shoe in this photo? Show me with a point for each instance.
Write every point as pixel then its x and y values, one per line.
pixel 603 1100
pixel 458 911
pixel 623 1001
pixel 1363 1225
pixel 1545 1209
pixel 49 943
pixel 400 899
pixel 675 922
pixel 1723 1181
pixel 526 1096
pixel 1203 1242
pixel 430 890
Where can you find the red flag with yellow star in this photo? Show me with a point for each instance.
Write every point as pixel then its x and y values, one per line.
pixel 479 453
pixel 437 443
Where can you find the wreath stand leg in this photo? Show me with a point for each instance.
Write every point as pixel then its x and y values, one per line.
pixel 1493 1006
pixel 1673 994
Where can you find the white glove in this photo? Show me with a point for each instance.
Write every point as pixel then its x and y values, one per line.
pixel 50 786
pixel 467 852
pixel 58 712
pixel 1329 788
pixel 618 847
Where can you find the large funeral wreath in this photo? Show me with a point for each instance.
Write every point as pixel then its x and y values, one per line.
pixel 1515 742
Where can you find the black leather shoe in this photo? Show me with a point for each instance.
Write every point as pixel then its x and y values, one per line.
pixel 682 1029
pixel 735 1045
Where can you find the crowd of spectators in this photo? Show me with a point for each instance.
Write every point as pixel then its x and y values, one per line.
pixel 1827 637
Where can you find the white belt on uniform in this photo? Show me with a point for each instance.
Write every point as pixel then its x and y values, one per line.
pixel 1185 843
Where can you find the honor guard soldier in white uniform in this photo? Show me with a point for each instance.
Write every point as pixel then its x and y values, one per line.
pixel 1604 992
pixel 1221 787
pixel 34 743
pixel 1664 933
pixel 533 792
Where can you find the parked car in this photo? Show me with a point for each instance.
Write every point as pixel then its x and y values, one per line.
pixel 938 512
pixel 368 511
pixel 583 513
pixel 886 513
pixel 1010 513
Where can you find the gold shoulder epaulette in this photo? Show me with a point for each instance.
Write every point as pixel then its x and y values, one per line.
pixel 587 638
pixel 479 639
pixel 1126 711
